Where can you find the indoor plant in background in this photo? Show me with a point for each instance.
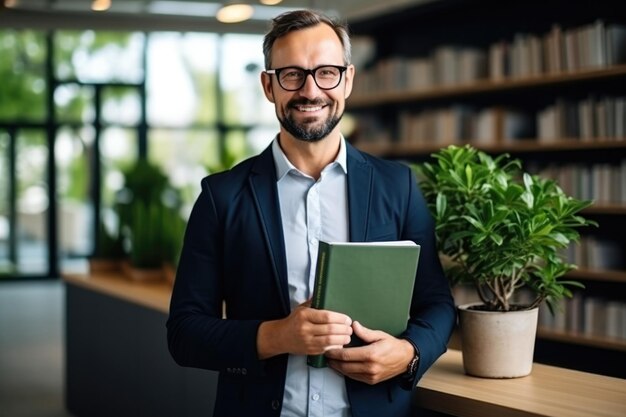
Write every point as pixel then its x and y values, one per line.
pixel 146 195
pixel 173 235
pixel 500 230
pixel 108 252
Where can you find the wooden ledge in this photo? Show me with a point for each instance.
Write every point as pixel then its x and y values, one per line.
pixel 548 391
pixel 153 295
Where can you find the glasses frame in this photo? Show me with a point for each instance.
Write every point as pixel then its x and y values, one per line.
pixel 312 71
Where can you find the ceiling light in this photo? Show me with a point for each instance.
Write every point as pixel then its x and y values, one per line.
pixel 234 12
pixel 100 5
pixel 270 2
pixel 10 3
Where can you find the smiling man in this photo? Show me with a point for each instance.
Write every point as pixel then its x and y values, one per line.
pixel 252 242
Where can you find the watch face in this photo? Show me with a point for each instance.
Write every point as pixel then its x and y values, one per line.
pixel 413 365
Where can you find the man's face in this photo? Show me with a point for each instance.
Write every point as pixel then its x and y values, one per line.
pixel 310 113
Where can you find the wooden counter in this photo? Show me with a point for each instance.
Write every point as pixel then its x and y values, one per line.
pixel 549 391
pixel 154 295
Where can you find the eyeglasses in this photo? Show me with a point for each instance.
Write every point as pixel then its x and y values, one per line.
pixel 326 77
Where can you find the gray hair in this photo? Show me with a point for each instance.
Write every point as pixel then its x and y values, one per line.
pixel 288 22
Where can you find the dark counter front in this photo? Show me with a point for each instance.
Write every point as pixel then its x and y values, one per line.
pixel 118 364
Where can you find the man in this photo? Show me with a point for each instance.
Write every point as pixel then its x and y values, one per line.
pixel 252 242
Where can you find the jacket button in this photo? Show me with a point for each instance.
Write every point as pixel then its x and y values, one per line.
pixel 244 371
pixel 275 404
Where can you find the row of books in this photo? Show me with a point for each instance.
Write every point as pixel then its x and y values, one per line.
pixel 588 315
pixel 588 120
pixel 592 46
pixel 585 119
pixel 596 253
pixel 603 183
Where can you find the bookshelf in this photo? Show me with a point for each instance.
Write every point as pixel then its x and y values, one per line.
pixel 542 81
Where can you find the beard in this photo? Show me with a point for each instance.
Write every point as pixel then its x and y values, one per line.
pixel 305 131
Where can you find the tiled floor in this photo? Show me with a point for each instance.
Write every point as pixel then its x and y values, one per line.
pixel 31 349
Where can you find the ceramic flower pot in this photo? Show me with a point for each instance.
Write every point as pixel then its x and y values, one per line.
pixel 497 344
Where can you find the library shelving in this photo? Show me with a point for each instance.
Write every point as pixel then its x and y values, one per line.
pixel 541 81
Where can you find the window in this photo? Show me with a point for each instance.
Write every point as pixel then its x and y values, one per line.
pixel 190 102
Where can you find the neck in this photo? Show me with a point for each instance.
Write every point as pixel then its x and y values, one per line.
pixel 310 157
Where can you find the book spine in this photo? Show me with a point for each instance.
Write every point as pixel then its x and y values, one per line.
pixel 319 361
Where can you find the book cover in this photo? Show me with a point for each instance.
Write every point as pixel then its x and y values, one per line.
pixel 371 282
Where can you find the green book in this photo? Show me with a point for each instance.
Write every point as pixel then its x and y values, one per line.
pixel 371 282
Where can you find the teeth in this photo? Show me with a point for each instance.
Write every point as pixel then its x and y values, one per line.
pixel 316 108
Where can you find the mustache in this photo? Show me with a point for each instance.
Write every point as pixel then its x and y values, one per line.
pixel 305 102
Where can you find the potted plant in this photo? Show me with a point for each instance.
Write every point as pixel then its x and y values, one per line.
pixel 173 234
pixel 500 230
pixel 141 204
pixel 108 252
pixel 145 237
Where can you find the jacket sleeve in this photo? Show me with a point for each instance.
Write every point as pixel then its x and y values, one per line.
pixel 197 334
pixel 432 314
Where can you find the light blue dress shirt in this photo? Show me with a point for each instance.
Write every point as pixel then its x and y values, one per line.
pixel 311 211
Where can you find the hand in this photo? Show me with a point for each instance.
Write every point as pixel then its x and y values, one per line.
pixel 306 331
pixel 382 358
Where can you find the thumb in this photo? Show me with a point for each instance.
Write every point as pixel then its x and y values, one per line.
pixel 365 334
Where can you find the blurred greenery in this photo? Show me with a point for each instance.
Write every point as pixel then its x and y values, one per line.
pixel 182 153
pixel 22 71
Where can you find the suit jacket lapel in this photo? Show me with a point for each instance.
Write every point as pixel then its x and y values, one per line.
pixel 359 193
pixel 263 186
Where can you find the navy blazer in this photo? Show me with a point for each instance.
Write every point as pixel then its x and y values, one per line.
pixel 234 253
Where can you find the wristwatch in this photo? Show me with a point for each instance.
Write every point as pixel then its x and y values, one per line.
pixel 411 368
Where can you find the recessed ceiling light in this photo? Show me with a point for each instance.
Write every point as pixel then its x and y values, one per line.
pixel 270 2
pixel 234 13
pixel 100 5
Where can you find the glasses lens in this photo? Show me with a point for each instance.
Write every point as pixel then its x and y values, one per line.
pixel 291 78
pixel 327 77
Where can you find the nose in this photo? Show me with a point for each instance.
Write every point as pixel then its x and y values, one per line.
pixel 310 88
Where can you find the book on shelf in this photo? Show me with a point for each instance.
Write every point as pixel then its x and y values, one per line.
pixel 371 282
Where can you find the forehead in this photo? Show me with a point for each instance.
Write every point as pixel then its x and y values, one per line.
pixel 308 47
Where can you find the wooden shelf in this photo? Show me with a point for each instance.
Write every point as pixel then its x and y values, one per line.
pixel 598 275
pixel 401 149
pixel 582 339
pixel 482 87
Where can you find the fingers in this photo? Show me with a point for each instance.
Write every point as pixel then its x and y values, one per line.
pixel 311 331
pixel 329 335
pixel 380 360
pixel 367 335
pixel 327 316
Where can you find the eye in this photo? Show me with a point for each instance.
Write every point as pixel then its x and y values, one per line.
pixel 291 74
pixel 327 72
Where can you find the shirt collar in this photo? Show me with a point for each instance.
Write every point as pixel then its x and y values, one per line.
pixel 283 165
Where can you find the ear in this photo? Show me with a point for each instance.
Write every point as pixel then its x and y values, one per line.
pixel 350 71
pixel 266 82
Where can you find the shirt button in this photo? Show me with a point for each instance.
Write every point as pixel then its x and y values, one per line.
pixel 315 397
